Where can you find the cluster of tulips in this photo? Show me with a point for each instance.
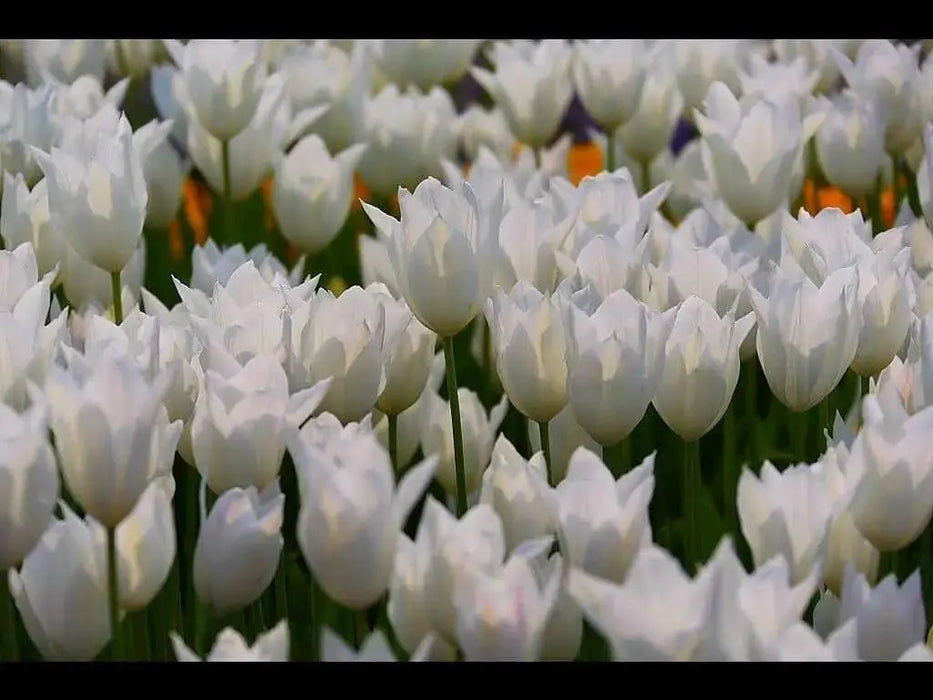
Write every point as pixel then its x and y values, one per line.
pixel 444 400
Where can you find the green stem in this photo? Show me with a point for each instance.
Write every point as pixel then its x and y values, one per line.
pixel 625 454
pixel 913 194
pixel 393 442
pixel 117 292
pixel 896 186
pixel 361 619
pixel 798 428
pixel 255 623
pixel 751 410
pixel 225 165
pixel 317 610
pixel 487 360
pixel 141 629
pixel 645 175
pixel 546 447
pixel 113 590
pixel 887 564
pixel 823 422
pixel 610 150
pixel 201 624
pixel 281 600
pixel 692 482
pixel 926 569
pixel 730 477
pixel 9 650
pixel 455 424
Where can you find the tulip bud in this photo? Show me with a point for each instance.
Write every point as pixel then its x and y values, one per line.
pixel 231 646
pixel 238 547
pixel 30 122
pixel 66 568
pixel 85 97
pixel 28 483
pixel 409 361
pixel 850 143
pixel 479 127
pixel 375 648
pixel 648 131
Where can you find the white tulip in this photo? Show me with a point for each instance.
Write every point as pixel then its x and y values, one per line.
pixel 231 646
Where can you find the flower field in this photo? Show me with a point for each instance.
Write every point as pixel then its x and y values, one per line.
pixel 466 350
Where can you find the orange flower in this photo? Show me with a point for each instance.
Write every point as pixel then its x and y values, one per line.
pixel 268 215
pixel 887 207
pixel 584 159
pixel 830 196
pixel 176 241
pixel 360 191
pixel 198 205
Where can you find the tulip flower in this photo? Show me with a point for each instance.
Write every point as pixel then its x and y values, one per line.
pixel 133 57
pixel 647 132
pixel 850 143
pixel 502 617
pixel 30 122
pixel 702 62
pixel 375 648
pixel 164 172
pixel 145 542
pixel 230 646
pixel 619 344
pixel 212 264
pixel 423 62
pixel 25 218
pixel 753 617
pixel 351 515
pixel 323 74
pixel 889 76
pixel 701 368
pixel 845 545
pixel 658 614
pixel 28 483
pixel 608 75
pixel 240 423
pixel 513 487
pixel 443 252
pixel 406 607
pixel 98 194
pixel 480 128
pixel 889 619
pixel 238 547
pixel 478 433
pixel 602 523
pixel 112 433
pixel 224 80
pixel 85 97
pixel 818 57
pixel 66 568
pixel 64 59
pixel 312 192
pixel 532 85
pixel 893 469
pixel 345 338
pixel 807 334
pixel 752 175
pixel 408 361
pixel 456 547
pixel 408 134
pixel 786 514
